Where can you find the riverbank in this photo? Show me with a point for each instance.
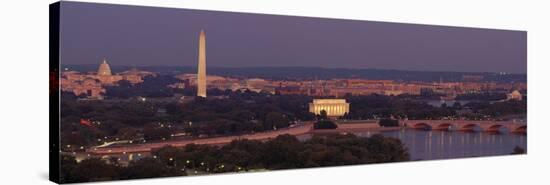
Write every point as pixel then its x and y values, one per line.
pixel 305 128
pixel 355 126
pixel 354 129
pixel 147 147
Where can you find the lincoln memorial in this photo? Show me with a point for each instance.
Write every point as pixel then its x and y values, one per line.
pixel 333 107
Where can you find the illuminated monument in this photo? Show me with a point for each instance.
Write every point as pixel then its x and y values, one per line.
pixel 333 107
pixel 201 75
pixel 104 69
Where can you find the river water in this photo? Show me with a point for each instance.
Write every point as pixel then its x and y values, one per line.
pixel 433 144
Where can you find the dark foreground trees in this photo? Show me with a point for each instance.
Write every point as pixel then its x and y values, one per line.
pixel 286 152
pixel 518 150
pixel 325 124
pixel 388 122
pixel 283 152
pixel 96 169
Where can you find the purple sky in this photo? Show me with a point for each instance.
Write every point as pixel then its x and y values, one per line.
pixel 139 36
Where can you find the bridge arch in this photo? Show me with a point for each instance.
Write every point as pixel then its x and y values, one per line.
pixel 424 126
pixel 494 128
pixel 520 129
pixel 444 126
pixel 469 127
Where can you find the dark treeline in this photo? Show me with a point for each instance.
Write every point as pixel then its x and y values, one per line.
pixel 241 113
pixel 498 109
pixel 283 152
pixel 398 107
pixel 482 96
pixel 380 106
pixel 151 87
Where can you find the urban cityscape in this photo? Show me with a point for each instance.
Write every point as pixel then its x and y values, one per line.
pixel 124 121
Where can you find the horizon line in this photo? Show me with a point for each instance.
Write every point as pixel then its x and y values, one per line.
pixel 340 68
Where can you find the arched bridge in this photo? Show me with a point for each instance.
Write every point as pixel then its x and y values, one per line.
pixel 466 125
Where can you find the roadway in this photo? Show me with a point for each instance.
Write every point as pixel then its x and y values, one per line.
pixel 147 147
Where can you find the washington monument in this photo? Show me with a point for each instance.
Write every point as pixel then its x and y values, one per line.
pixel 201 75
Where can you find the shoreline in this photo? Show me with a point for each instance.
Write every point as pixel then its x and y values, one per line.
pixel 345 130
pixel 307 128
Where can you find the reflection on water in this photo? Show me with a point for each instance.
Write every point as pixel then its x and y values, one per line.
pixel 433 144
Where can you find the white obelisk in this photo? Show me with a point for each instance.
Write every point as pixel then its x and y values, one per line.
pixel 201 75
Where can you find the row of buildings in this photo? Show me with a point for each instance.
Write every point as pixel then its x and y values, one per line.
pixel 342 87
pixel 92 84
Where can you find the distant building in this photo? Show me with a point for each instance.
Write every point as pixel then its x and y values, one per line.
pixel 333 107
pixel 104 69
pixel 514 95
pixel 393 92
pixel 91 84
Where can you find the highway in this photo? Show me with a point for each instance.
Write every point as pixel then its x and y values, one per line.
pixel 147 147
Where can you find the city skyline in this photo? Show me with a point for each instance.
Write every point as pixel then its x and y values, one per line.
pixel 129 86
pixel 167 37
pixel 194 66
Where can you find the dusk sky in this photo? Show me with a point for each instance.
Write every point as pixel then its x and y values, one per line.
pixel 144 36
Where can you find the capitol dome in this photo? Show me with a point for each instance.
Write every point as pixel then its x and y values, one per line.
pixel 515 95
pixel 104 69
